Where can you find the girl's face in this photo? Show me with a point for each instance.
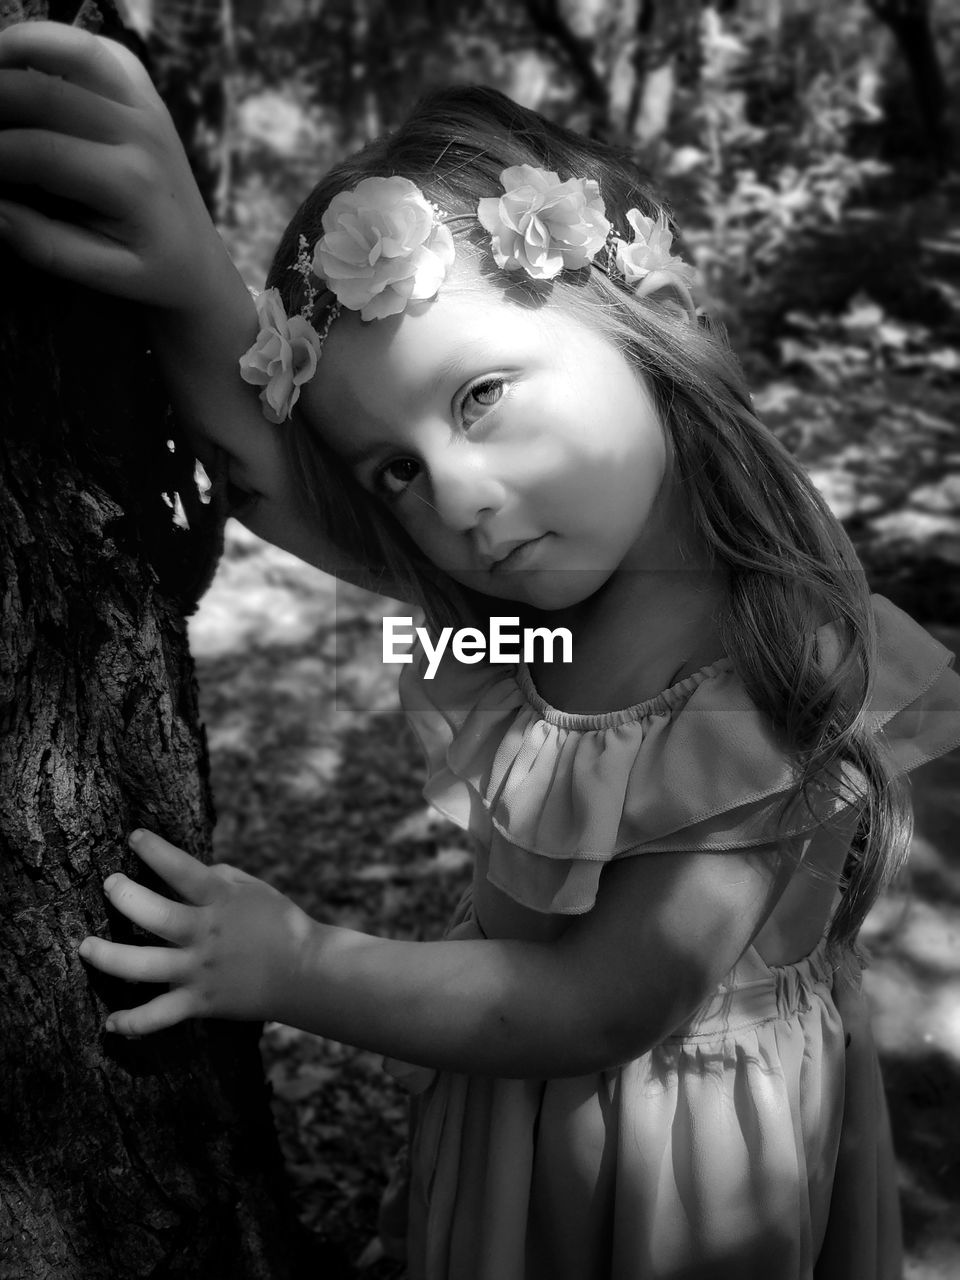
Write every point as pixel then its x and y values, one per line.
pixel 518 448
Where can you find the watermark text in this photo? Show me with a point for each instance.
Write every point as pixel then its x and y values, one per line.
pixel 506 643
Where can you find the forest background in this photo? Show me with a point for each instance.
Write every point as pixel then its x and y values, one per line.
pixel 808 148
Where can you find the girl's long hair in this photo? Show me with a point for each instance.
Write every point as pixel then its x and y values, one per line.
pixel 789 564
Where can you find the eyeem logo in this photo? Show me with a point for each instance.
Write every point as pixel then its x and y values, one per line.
pixel 470 645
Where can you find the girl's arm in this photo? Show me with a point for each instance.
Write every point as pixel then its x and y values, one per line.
pixel 81 122
pixel 665 930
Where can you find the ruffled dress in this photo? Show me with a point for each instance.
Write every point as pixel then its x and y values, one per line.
pixel 754 1141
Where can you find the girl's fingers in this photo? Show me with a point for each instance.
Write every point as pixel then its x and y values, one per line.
pixel 73 252
pixel 192 879
pixel 29 98
pixel 232 875
pixel 89 173
pixel 136 964
pixel 93 62
pixel 151 911
pixel 157 1014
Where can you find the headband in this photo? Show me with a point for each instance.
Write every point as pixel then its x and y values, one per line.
pixel 384 245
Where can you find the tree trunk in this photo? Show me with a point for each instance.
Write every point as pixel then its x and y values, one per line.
pixel 909 21
pixel 188 43
pixel 575 53
pixel 663 32
pixel 117 1158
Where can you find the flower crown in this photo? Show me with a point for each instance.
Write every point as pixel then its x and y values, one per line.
pixel 385 245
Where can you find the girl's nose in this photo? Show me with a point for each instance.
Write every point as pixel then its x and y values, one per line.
pixel 464 490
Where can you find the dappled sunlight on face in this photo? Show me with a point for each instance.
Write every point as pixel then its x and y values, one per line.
pixel 484 426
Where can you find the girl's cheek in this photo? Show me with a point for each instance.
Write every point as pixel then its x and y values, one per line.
pixel 426 533
pixel 413 518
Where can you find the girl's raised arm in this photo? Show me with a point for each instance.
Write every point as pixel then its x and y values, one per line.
pixel 81 121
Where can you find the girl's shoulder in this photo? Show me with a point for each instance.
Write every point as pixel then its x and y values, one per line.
pixel 554 796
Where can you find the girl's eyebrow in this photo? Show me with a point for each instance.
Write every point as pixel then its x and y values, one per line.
pixel 457 365
pixel 453 368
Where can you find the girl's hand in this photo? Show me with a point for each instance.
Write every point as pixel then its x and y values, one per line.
pixel 81 121
pixel 236 947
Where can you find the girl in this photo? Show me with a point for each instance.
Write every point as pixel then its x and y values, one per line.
pixel 641 1050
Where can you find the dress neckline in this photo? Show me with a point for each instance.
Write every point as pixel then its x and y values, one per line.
pixel 661 704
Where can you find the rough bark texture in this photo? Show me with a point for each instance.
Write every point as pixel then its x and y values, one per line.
pixel 117 1159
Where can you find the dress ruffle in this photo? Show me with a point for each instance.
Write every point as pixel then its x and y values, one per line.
pixel 555 796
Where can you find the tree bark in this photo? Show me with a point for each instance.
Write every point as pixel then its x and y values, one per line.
pixel 117 1159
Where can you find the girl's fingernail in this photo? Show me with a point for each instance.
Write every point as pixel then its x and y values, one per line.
pixel 109 1025
pixel 136 836
pixel 84 949
pixel 110 882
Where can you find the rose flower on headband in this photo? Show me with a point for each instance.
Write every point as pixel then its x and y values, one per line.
pixel 541 225
pixel 646 263
pixel 383 246
pixel 283 357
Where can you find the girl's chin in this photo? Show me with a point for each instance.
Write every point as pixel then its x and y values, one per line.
pixel 566 588
pixel 545 589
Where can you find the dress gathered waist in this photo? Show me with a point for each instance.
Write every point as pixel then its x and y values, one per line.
pixel 755 992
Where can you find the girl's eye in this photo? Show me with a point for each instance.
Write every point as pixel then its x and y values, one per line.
pixel 393 479
pixel 480 397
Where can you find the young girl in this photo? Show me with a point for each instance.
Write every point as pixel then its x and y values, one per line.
pixel 641 1049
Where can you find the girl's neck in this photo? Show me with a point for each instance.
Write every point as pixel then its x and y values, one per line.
pixel 655 621
pixel 639 635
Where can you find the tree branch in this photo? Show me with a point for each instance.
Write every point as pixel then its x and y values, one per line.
pixel 550 22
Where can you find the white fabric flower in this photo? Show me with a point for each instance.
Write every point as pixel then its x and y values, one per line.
pixel 283 357
pixel 541 225
pixel 646 263
pixel 382 247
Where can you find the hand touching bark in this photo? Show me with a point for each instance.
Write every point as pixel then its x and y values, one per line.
pixel 236 943
pixel 81 122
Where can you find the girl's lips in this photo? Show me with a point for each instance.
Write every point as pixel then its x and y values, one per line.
pixel 517 558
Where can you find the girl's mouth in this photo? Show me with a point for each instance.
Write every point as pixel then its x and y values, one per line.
pixel 517 558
